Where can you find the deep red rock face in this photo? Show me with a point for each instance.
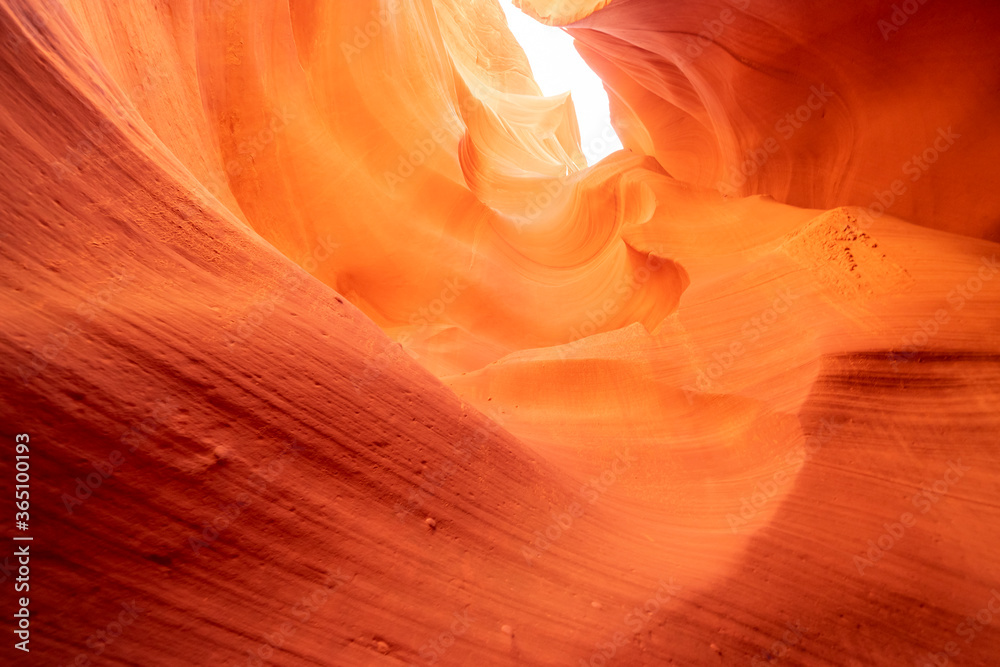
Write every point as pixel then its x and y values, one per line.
pixel 322 345
pixel 878 105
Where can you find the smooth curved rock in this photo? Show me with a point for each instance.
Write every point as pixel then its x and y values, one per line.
pixel 332 351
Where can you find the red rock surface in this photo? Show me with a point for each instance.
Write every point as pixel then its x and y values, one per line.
pixel 333 351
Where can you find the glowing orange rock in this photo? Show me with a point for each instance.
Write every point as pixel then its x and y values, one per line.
pixel 332 350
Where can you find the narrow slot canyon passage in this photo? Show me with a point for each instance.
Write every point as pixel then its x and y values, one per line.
pixel 558 68
pixel 543 333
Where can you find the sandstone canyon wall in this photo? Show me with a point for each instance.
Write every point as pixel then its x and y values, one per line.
pixel 333 350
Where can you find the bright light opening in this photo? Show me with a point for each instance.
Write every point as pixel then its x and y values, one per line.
pixel 558 68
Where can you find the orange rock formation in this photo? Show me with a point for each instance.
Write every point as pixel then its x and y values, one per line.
pixel 332 350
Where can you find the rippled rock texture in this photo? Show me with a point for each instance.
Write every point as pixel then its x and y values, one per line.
pixel 333 350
